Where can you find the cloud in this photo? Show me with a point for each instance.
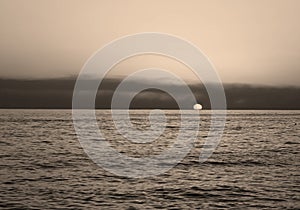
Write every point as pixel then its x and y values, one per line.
pixel 57 93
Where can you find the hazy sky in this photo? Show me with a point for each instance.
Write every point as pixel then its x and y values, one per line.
pixel 249 41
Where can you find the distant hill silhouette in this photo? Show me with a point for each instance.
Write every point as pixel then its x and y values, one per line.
pixel 57 94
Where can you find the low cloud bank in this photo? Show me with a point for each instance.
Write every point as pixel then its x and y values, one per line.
pixel 57 94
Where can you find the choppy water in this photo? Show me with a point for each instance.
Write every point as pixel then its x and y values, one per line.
pixel 256 165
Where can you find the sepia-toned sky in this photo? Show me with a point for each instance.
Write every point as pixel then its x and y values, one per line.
pixel 248 41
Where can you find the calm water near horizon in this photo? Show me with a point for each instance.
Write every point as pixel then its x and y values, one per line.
pixel 255 166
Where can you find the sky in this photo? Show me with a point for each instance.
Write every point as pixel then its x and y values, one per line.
pixel 248 41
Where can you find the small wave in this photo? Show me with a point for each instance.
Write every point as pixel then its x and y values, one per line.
pixel 291 142
pixel 244 163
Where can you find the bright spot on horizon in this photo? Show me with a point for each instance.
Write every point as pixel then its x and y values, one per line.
pixel 197 106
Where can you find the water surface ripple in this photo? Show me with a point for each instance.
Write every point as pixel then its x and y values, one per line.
pixel 256 165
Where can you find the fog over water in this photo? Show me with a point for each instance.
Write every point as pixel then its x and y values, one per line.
pixel 253 42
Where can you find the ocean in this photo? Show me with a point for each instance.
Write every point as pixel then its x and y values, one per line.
pixel 255 166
